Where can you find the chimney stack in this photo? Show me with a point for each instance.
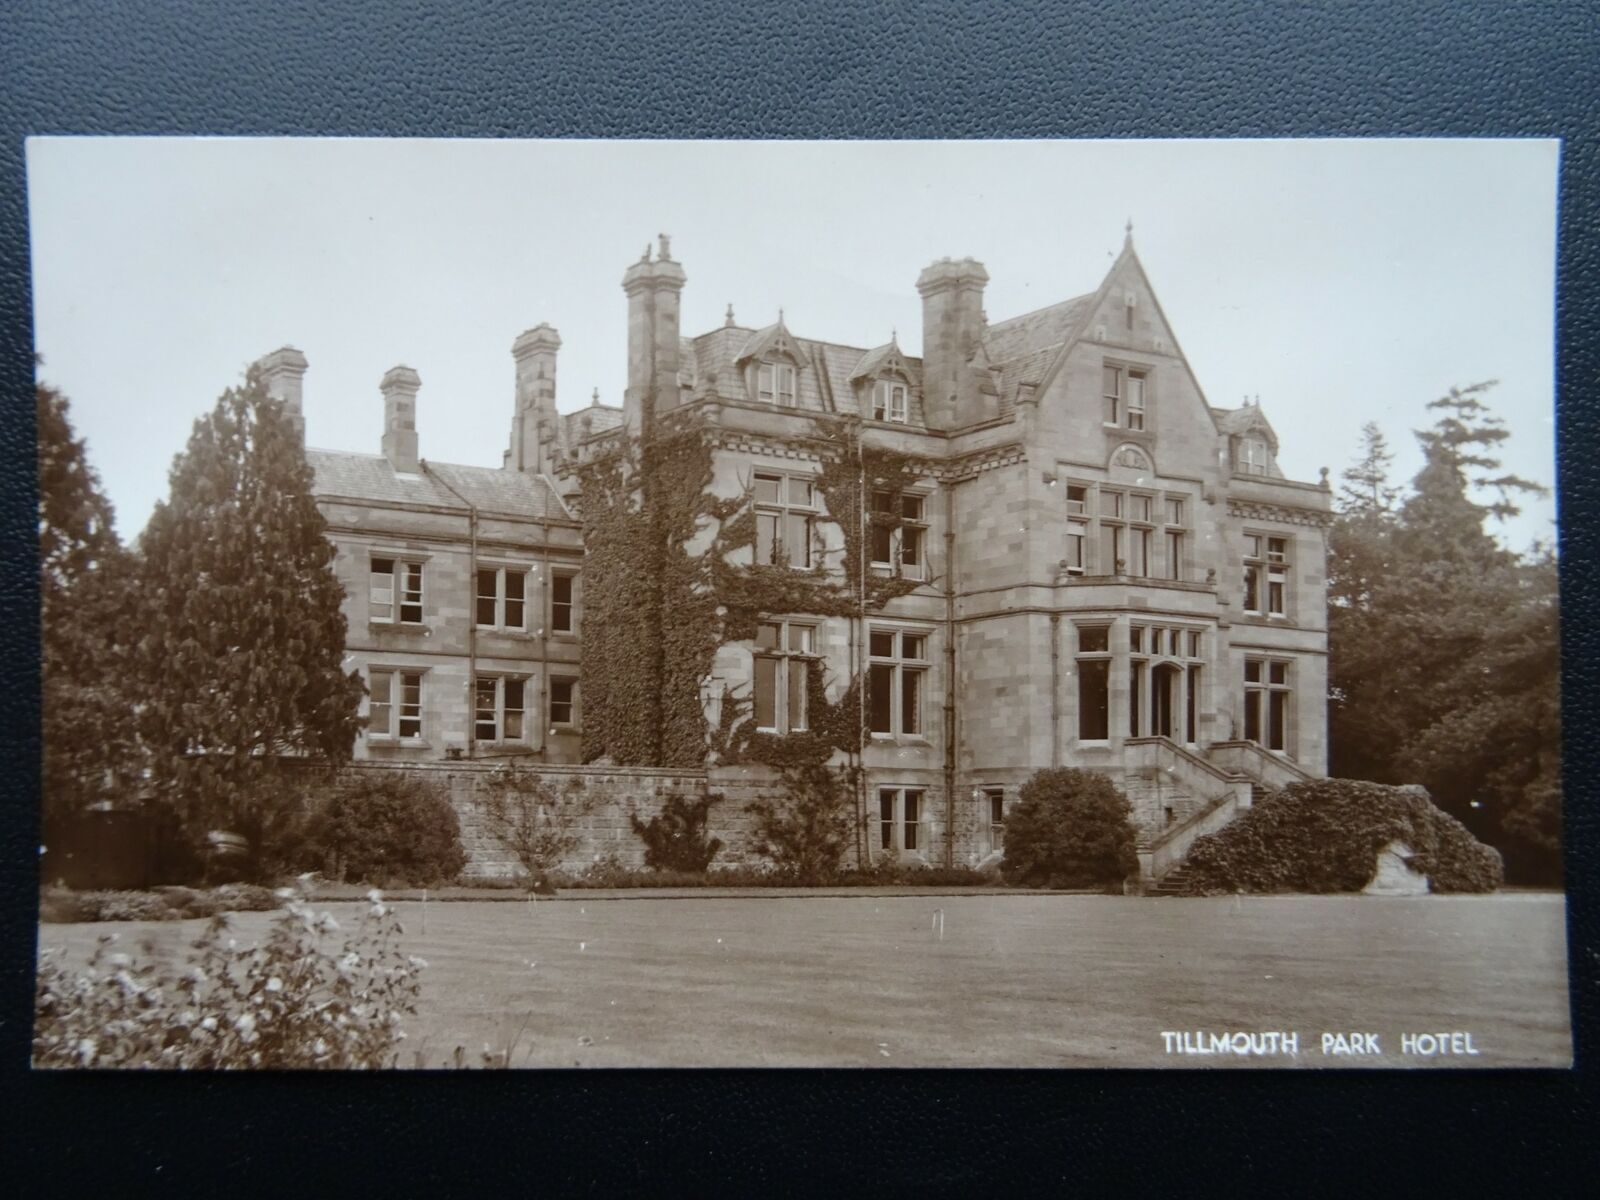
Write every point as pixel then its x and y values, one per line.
pixel 400 386
pixel 283 372
pixel 952 328
pixel 653 319
pixel 535 430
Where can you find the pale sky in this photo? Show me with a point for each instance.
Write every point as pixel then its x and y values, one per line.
pixel 1340 281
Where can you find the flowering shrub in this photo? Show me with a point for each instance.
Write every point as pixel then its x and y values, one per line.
pixel 291 1002
pixel 60 906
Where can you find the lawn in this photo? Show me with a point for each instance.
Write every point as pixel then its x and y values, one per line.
pixel 1017 980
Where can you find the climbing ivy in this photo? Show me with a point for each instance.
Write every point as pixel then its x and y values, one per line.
pixel 665 586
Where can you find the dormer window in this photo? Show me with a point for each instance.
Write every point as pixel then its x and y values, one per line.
pixel 889 401
pixel 1252 456
pixel 775 384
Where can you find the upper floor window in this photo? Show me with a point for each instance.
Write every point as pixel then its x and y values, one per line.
pixel 502 598
pixel 899 664
pixel 498 709
pixel 775 384
pixel 395 710
pixel 564 602
pixel 1252 456
pixel 785 520
pixel 395 591
pixel 900 543
pixel 1266 575
pixel 784 650
pixel 1123 390
pixel 889 401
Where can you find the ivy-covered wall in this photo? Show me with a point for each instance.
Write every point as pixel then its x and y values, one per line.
pixel 670 578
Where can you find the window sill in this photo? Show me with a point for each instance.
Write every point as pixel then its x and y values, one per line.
pixel 394 743
pixel 901 739
pixel 409 627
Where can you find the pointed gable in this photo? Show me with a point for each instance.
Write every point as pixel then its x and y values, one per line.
pixel 773 341
pixel 886 358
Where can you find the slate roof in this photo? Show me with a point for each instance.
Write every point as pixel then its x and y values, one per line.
pixel 600 417
pixel 1242 420
pixel 350 476
pixel 823 384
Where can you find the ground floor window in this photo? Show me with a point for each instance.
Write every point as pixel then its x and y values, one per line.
pixel 498 709
pixel 1094 683
pixel 994 811
pixel 396 709
pixel 899 819
pixel 563 702
pixel 1266 702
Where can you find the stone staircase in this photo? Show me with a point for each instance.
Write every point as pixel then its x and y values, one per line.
pixel 1174 883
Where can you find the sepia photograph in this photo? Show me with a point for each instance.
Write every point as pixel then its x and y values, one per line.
pixel 879 604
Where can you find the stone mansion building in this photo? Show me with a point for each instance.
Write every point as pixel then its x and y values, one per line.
pixel 1110 572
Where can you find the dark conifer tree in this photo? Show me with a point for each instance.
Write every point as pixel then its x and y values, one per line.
pixel 88 744
pixel 243 640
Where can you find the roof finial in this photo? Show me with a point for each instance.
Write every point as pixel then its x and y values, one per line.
pixel 1127 235
pixel 780 314
pixel 645 257
pixel 666 247
pixel 729 323
pixel 595 398
pixel 894 335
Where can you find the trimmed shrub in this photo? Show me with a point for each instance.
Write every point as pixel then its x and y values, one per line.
pixel 1325 835
pixel 676 839
pixel 292 1002
pixel 388 830
pixel 1070 829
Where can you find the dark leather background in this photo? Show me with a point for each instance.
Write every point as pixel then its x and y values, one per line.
pixel 486 68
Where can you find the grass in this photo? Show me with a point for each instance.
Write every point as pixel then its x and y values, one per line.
pixel 1017 980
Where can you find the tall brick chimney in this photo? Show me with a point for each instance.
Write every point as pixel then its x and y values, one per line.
pixel 535 430
pixel 283 371
pixel 952 327
pixel 652 289
pixel 400 386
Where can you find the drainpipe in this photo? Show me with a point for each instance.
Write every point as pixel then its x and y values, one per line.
pixel 472 611
pixel 858 633
pixel 1055 689
pixel 950 674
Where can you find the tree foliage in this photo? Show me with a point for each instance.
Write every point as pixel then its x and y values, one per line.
pixel 85 597
pixel 241 638
pixel 1444 659
pixel 1070 828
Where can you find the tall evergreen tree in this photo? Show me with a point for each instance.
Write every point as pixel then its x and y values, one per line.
pixel 1443 644
pixel 243 638
pixel 89 749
